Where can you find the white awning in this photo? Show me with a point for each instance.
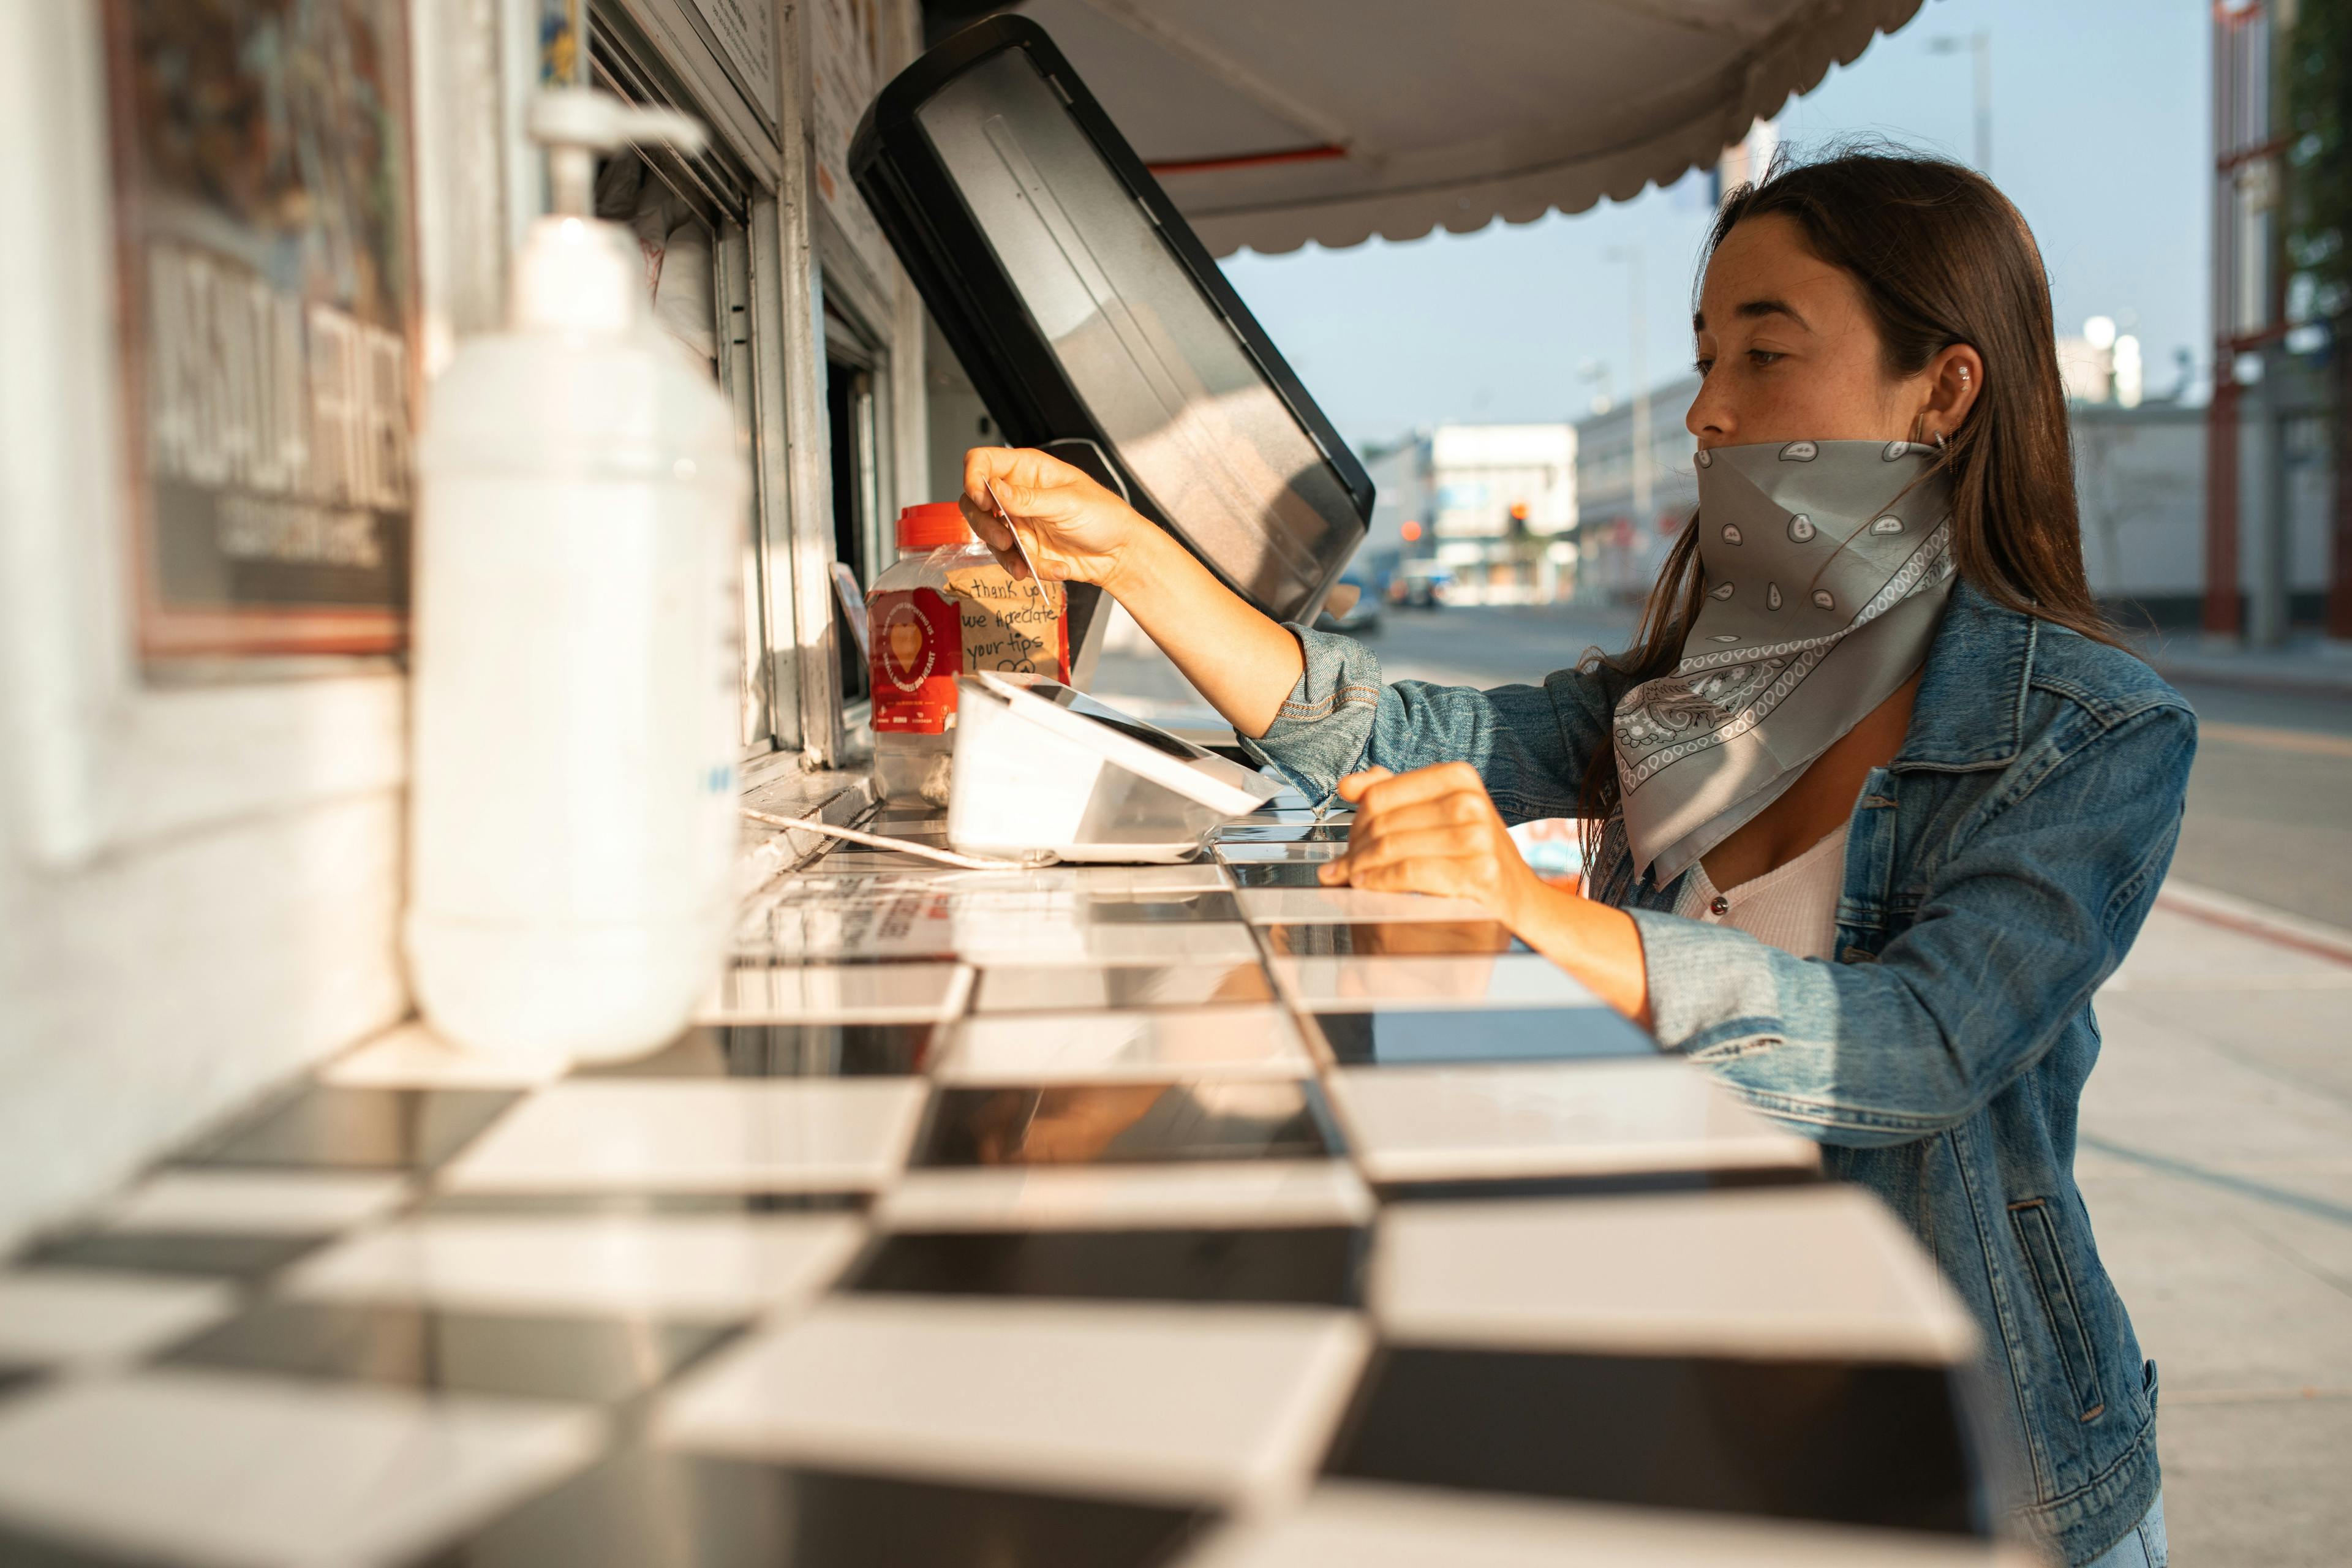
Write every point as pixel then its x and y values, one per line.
pixel 1272 122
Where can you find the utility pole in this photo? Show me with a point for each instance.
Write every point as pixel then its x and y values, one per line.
pixel 2249 315
pixel 1640 324
pixel 1979 44
pixel 1982 43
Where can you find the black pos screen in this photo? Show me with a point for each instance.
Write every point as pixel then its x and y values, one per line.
pixel 1110 718
pixel 1091 320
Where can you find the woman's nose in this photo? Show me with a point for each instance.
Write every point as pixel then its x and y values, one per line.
pixel 1709 418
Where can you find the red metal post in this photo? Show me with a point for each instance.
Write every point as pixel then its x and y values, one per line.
pixel 2222 615
pixel 2224 605
pixel 2339 546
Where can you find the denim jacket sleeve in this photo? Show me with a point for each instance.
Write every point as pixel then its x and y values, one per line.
pixel 1529 743
pixel 2036 901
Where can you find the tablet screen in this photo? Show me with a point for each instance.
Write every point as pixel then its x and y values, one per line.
pixel 1079 702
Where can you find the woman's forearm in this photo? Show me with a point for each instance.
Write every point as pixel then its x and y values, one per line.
pixel 1600 945
pixel 1243 662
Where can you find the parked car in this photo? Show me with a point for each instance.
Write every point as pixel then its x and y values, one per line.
pixel 1422 586
pixel 1361 618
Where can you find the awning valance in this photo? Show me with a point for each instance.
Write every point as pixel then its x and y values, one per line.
pixel 1272 122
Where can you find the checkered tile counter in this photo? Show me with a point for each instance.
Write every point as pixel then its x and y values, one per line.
pixel 1196 1215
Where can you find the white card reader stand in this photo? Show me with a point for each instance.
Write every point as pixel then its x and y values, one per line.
pixel 1043 770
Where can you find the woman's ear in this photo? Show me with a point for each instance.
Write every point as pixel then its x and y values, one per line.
pixel 1951 382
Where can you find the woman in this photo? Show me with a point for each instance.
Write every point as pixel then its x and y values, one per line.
pixel 1873 805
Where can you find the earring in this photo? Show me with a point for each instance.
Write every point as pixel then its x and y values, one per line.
pixel 1939 440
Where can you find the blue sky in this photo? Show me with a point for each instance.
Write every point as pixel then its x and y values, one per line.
pixel 2100 135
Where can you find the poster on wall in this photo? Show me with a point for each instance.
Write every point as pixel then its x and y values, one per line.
pixel 263 227
pixel 846 72
pixel 562 43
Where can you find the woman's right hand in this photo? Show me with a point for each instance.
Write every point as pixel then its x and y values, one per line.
pixel 1077 530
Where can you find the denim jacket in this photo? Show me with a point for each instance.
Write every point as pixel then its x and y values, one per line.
pixel 1997 870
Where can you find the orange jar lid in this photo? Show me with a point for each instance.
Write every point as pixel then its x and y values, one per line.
pixel 932 525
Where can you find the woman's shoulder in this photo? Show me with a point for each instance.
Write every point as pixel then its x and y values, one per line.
pixel 2046 667
pixel 2112 685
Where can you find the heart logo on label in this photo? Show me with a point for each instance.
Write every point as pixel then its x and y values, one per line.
pixel 906 645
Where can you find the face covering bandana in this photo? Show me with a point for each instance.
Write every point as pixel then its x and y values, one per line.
pixel 1827 564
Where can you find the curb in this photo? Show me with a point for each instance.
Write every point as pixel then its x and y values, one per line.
pixel 2288 679
pixel 2243 915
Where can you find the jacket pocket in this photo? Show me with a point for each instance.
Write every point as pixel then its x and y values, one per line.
pixel 2038 1237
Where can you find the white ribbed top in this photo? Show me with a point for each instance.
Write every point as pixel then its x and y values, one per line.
pixel 1793 907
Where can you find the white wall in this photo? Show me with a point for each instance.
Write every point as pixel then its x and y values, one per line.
pixel 200 883
pixel 2140 484
pixel 145 994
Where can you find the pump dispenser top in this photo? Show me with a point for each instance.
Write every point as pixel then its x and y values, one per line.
pixel 575 274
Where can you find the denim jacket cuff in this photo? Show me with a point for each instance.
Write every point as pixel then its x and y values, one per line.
pixel 1702 981
pixel 1320 732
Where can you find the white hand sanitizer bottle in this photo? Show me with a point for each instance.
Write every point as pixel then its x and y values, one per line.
pixel 573 818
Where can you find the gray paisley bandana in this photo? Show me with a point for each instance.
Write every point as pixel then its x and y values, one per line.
pixel 1827 564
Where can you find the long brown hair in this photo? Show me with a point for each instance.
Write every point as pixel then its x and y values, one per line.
pixel 1941 258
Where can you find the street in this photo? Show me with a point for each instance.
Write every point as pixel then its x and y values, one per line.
pixel 2216 1142
pixel 2270 803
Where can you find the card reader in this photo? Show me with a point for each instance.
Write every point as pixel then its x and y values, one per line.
pixel 1042 769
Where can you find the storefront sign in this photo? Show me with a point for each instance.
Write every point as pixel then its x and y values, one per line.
pixel 744 32
pixel 268 311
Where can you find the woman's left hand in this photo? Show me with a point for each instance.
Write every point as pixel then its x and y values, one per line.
pixel 1432 831
pixel 1436 831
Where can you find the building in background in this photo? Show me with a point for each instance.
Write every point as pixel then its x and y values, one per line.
pixel 2142 457
pixel 1630 503
pixel 2266 447
pixel 1491 508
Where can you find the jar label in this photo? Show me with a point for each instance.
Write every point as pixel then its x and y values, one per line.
pixel 918 652
pixel 922 639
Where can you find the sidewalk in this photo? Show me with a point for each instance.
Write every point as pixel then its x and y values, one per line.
pixel 2216 1159
pixel 2307 665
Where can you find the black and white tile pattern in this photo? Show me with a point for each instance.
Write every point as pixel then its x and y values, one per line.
pixel 1196 1215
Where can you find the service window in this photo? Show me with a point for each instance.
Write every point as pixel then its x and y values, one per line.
pixel 688 217
pixel 864 539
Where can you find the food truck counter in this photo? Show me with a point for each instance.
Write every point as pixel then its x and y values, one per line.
pixel 1186 1215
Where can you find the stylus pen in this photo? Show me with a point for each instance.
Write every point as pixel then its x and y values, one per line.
pixel 1022 549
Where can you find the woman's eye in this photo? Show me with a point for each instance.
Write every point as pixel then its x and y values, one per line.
pixel 1701 366
pixel 1764 356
